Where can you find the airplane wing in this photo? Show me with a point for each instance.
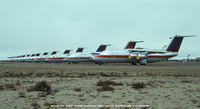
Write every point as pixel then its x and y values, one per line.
pixel 147 51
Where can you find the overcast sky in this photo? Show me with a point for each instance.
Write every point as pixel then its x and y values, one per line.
pixel 34 26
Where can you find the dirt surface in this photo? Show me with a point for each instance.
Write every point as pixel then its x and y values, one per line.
pixel 167 85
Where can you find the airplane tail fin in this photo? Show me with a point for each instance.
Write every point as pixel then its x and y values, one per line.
pixel 67 51
pixel 131 44
pixel 54 52
pixel 79 50
pixel 102 48
pixel 32 55
pixel 176 43
pixel 45 53
pixel 38 54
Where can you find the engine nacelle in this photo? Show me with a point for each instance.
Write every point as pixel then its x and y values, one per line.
pixel 138 57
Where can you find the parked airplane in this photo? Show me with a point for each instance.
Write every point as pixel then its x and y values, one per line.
pixel 188 58
pixel 83 57
pixel 43 57
pixel 198 59
pixel 57 57
pixel 30 58
pixel 87 57
pixel 11 59
pixel 18 58
pixel 142 56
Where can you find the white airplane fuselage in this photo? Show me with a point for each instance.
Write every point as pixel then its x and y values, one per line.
pixel 78 57
pixel 124 57
pixel 56 58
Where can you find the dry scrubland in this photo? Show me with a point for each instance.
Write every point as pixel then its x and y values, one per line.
pixel 39 85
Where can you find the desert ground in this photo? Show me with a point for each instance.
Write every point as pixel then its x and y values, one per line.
pixel 166 85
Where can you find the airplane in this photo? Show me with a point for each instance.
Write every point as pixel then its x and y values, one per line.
pixel 183 59
pixel 17 59
pixel 56 57
pixel 84 57
pixel 87 57
pixel 42 57
pixel 142 56
pixel 10 59
pixel 22 58
pixel 30 57
pixel 198 59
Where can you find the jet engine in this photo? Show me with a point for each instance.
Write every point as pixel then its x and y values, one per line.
pixel 138 58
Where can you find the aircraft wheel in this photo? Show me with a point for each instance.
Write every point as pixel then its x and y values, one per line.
pixel 100 63
pixel 134 63
pixel 142 64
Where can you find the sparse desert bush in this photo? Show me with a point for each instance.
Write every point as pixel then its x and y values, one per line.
pixel 1 88
pixel 47 104
pixel 77 89
pixel 106 88
pixel 42 86
pixel 138 85
pixel 103 83
pixel 42 94
pixel 18 83
pixel 30 89
pixel 21 94
pixel 105 74
pixel 10 86
pixel 186 81
pixel 35 105
pixel 144 108
pixel 106 85
pixel 108 82
pixel 104 108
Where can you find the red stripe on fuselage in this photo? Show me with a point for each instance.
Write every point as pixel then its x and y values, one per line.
pixel 112 56
pixel 55 58
pixel 77 58
pixel 126 56
pixel 40 58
